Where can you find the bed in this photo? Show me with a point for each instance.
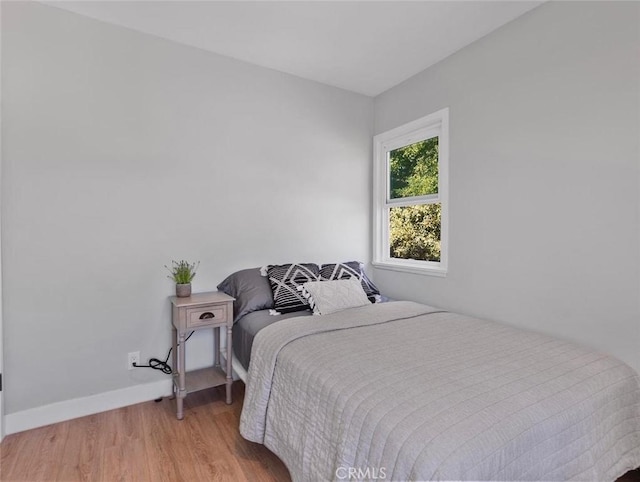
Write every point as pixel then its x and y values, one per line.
pixel 404 391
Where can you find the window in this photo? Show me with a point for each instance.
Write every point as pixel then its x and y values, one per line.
pixel 410 196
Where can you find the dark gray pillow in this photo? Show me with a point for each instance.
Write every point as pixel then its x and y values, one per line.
pixel 251 291
pixel 350 269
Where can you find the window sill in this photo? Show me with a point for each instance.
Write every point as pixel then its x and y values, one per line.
pixel 415 267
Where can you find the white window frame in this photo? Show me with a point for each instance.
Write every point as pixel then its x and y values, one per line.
pixel 436 124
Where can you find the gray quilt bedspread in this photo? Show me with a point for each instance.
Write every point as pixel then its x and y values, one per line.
pixel 405 391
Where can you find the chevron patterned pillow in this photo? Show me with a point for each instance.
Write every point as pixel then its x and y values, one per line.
pixel 350 269
pixel 285 279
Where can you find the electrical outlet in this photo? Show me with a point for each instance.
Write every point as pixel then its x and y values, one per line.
pixel 134 357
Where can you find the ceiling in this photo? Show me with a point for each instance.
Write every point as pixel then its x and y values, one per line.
pixel 362 46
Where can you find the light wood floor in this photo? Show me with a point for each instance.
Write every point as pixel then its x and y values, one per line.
pixel 145 442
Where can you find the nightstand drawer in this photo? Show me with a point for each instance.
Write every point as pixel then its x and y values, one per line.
pixel 207 315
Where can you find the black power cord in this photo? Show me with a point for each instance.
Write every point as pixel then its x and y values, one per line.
pixel 159 364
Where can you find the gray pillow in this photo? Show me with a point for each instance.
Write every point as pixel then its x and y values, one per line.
pixel 251 291
pixel 350 269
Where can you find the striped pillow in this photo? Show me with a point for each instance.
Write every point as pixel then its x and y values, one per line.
pixel 285 279
pixel 350 269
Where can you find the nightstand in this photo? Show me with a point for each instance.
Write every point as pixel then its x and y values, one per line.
pixel 200 311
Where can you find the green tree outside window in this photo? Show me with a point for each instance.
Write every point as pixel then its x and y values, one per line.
pixel 414 230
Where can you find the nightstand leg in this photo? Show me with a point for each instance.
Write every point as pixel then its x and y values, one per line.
pixel 181 379
pixel 216 345
pixel 174 356
pixel 229 369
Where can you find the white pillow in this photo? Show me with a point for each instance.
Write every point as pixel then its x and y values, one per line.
pixel 330 296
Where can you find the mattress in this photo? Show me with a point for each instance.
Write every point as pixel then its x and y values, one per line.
pixel 246 328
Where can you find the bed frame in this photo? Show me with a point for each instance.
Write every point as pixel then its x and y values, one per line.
pixel 238 370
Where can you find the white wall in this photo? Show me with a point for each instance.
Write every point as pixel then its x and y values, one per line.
pixel 122 151
pixel 545 159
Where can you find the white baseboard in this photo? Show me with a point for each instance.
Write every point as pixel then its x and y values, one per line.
pixel 79 407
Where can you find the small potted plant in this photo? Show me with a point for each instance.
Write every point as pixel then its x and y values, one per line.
pixel 182 272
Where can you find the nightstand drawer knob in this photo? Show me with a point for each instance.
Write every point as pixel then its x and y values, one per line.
pixel 206 315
